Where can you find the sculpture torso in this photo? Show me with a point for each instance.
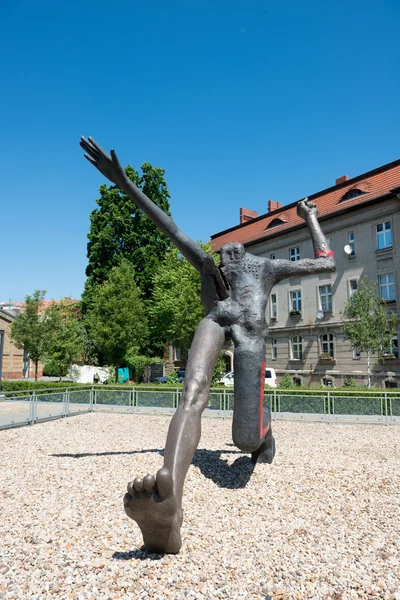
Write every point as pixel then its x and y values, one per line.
pixel 250 281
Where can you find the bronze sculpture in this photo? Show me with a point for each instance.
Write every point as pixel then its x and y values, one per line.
pixel 235 297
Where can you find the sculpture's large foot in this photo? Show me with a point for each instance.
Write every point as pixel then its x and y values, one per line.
pixel 152 504
pixel 266 452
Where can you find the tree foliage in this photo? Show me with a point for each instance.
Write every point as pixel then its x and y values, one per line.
pixel 28 331
pixel 119 230
pixel 175 309
pixel 117 321
pixel 368 325
pixel 137 364
pixel 64 335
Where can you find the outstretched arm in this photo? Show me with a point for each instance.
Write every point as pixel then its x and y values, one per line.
pixel 111 168
pixel 324 258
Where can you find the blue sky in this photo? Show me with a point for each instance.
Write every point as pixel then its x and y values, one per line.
pixel 240 101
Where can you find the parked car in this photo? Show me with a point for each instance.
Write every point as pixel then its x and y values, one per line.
pixel 181 375
pixel 227 379
pixel 270 378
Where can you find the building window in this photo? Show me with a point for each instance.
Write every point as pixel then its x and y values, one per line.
pixel 275 223
pixel 274 349
pixel 274 307
pixel 393 350
pixel 390 384
pixel 327 382
pixel 272 256
pixel 297 381
pixel 383 236
pixel 325 297
pixel 356 353
pixel 386 287
pixel 352 243
pixel 295 301
pixel 296 347
pixel 353 286
pixel 354 193
pixel 294 254
pixel 327 345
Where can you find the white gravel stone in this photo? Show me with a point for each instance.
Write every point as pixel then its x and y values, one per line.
pixel 322 522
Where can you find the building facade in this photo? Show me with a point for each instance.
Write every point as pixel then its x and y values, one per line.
pixel 14 362
pixel 360 218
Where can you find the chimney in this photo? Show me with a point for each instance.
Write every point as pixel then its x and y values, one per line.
pixel 272 205
pixel 247 215
pixel 342 179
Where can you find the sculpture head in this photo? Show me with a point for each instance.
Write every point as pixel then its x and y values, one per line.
pixel 233 252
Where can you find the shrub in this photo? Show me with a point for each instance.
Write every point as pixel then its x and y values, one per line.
pixel 286 382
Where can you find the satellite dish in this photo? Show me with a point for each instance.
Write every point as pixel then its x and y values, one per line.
pixel 319 315
pixel 348 249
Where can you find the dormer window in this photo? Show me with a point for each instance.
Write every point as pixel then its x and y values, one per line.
pixel 275 223
pixel 353 193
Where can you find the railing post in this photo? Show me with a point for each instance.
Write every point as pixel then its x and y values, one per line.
pixel 64 400
pixel 67 401
pixel 91 395
pixel 32 407
pixel 274 404
pixel 386 409
pixel 329 407
pixel 132 399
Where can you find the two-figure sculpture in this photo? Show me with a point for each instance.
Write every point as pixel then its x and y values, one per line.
pixel 234 295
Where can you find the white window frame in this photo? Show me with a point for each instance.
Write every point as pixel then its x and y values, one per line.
pixel 272 256
pixel 351 290
pixel 274 345
pixel 389 286
pixel 294 254
pixel 356 353
pixel 295 300
pixel 328 344
pixel 351 237
pixel 273 306
pixel 393 347
pixel 328 295
pixel 385 235
pixel 296 347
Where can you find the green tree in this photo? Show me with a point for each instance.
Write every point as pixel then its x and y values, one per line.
pixel 137 364
pixel 116 320
pixel 119 230
pixel 64 335
pixel 175 309
pixel 28 331
pixel 369 326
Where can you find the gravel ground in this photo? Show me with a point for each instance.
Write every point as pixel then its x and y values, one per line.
pixel 322 522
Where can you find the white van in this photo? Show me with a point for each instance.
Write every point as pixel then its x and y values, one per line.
pixel 270 378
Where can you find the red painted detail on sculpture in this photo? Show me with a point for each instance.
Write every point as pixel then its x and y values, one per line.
pixel 262 382
pixel 320 253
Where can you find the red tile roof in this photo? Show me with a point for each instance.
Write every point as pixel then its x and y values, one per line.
pixel 374 184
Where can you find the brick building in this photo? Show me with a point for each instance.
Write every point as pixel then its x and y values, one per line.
pixel 14 363
pixel 361 219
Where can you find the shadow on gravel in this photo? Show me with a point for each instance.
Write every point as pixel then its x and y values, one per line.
pixel 217 469
pixel 210 463
pixel 140 554
pixel 85 454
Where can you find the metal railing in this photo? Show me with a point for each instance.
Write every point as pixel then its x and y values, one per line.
pixel 22 408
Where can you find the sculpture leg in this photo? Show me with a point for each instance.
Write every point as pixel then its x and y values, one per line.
pixel 155 503
pixel 251 427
